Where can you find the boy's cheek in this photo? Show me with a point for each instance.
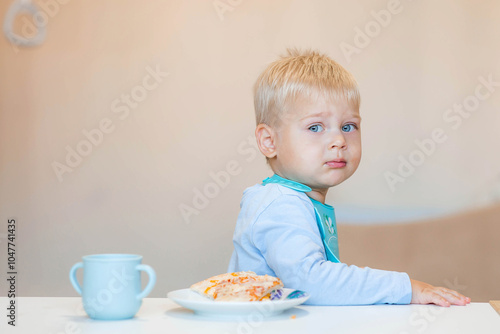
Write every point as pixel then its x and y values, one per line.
pixel 356 148
pixel 356 159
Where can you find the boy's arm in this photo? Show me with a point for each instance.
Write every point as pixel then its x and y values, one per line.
pixel 287 236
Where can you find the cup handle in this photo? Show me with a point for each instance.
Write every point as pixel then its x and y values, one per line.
pixel 72 277
pixel 152 280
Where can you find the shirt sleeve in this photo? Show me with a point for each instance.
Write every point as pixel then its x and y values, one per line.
pixel 288 238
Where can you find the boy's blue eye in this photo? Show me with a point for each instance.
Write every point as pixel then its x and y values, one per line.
pixel 349 127
pixel 316 128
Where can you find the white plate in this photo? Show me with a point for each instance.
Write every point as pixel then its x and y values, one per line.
pixel 203 306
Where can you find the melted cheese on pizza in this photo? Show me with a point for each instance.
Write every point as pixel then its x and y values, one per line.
pixel 239 286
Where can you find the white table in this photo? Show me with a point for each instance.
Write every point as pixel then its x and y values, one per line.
pixel 160 315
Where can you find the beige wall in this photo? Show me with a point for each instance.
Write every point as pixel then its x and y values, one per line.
pixel 126 194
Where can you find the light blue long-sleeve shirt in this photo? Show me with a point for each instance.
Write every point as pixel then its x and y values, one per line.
pixel 276 234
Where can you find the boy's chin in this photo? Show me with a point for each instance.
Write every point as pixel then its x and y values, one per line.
pixel 331 183
pixel 325 184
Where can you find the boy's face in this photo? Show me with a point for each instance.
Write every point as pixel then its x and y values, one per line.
pixel 318 142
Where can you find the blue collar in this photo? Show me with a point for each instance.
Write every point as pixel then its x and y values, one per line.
pixel 292 185
pixel 287 183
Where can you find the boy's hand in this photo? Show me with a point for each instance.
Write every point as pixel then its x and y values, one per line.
pixel 423 293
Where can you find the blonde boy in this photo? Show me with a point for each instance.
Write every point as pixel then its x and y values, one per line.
pixel 308 127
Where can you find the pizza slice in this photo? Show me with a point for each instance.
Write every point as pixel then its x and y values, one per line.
pixel 240 286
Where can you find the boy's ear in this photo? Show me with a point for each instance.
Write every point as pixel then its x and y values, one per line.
pixel 266 140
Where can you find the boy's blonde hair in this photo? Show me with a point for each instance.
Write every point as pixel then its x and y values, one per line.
pixel 296 74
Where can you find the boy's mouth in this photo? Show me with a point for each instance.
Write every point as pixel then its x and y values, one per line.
pixel 337 163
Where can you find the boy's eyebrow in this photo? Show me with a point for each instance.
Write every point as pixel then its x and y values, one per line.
pixel 324 113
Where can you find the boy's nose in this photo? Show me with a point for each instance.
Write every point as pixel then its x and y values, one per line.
pixel 338 142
